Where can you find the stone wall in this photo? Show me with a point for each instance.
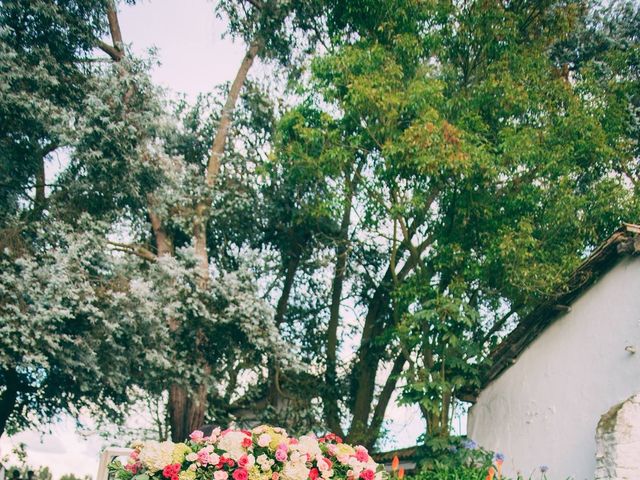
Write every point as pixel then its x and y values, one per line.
pixel 618 442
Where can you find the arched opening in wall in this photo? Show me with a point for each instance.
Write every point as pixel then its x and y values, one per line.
pixel 618 441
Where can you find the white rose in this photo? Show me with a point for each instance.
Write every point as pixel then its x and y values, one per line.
pixel 264 440
pixel 297 456
pixel 295 471
pixel 155 455
pixel 231 442
pixel 192 457
pixel 308 445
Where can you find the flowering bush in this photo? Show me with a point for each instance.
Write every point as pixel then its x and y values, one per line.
pixel 264 453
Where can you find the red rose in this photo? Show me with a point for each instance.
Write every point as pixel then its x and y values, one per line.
pixel 247 442
pixel 230 462
pixel 314 473
pixel 240 474
pixel 368 474
pixel 171 470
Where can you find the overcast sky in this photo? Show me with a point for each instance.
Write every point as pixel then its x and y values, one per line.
pixel 194 58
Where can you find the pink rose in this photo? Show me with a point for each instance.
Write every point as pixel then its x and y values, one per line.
pixel 362 455
pixel 240 474
pixel 368 474
pixel 324 464
pixel 204 457
pixel 243 461
pixel 247 442
pixel 281 455
pixel 275 476
pixel 196 435
pixel 220 475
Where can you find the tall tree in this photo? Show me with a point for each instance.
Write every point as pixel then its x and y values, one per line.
pixel 462 161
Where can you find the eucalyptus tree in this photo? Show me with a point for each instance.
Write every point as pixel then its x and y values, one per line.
pixel 58 337
pixel 183 207
pixel 111 122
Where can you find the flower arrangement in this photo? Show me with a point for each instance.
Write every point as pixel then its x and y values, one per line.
pixel 264 453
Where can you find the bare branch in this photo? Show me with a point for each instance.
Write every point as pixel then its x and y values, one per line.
pixel 137 250
pixel 115 54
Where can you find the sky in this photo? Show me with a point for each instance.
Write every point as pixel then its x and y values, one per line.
pixel 194 58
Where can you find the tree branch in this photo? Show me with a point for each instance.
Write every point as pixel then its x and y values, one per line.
pixel 385 396
pixel 133 249
pixel 115 54
pixel 222 132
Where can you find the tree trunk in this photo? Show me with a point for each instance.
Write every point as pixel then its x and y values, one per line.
pixel 330 402
pixel 369 354
pixel 40 184
pixel 186 410
pixel 213 168
pixel 281 310
pixel 8 398
pixel 283 301
pixel 164 245
pixel 367 363
pixel 383 401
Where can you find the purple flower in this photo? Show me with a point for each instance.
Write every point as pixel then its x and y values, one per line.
pixel 469 444
pixel 500 457
pixel 544 468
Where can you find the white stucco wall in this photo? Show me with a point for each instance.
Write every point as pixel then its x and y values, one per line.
pixel 545 408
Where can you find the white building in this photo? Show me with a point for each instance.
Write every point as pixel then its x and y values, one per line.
pixel 568 363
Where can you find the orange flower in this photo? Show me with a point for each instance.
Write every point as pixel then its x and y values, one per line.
pixel 401 473
pixel 394 463
pixel 492 472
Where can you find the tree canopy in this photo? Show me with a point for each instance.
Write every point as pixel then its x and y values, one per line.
pixel 432 171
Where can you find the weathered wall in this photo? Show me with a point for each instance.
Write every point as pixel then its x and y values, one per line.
pixel 545 408
pixel 618 442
